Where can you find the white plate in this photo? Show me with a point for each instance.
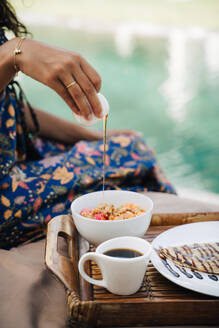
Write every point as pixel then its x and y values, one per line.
pixel 188 234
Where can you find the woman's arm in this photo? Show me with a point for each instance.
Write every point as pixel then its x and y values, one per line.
pixel 53 67
pixel 55 128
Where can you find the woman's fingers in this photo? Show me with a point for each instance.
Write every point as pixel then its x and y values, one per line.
pixel 58 86
pixel 80 100
pixel 90 72
pixel 89 90
pixel 82 92
pixel 76 93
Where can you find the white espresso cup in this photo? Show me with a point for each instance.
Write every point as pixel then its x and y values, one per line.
pixel 120 275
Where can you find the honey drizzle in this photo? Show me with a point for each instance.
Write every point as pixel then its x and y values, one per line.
pixel 104 151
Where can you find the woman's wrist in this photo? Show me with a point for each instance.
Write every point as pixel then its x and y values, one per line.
pixel 22 59
pixel 17 53
pixel 7 62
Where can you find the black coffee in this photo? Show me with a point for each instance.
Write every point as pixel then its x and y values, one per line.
pixel 123 253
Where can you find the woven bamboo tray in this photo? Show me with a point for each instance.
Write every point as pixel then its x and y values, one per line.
pixel 158 302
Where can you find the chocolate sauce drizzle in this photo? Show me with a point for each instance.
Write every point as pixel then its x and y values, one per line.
pixel 213 277
pixel 183 270
pixel 197 275
pixel 164 261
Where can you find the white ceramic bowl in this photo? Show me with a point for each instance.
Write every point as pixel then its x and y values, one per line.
pixel 96 231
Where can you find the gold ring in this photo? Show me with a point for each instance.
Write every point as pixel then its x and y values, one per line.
pixel 70 84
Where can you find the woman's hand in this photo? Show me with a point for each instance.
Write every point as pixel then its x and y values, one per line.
pixel 57 68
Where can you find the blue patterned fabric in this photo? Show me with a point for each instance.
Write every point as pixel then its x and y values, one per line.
pixel 36 188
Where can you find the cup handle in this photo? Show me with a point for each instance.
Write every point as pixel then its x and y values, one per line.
pixel 90 256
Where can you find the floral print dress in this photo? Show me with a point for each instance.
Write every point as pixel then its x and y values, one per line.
pixel 40 178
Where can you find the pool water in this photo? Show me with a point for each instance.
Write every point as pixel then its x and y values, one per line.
pixel 165 87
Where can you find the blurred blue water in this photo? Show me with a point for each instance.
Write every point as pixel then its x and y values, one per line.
pixel 167 88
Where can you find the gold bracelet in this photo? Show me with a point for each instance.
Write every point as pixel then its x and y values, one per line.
pixel 17 51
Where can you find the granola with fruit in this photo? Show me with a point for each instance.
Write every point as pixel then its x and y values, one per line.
pixel 110 212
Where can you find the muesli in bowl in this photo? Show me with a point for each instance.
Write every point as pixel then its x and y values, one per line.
pixel 98 230
pixel 106 211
